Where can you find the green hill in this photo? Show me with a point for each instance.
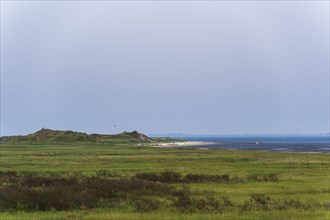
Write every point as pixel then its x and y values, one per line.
pixel 57 136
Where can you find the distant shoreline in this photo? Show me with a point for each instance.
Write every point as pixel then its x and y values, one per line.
pixel 285 147
pixel 183 144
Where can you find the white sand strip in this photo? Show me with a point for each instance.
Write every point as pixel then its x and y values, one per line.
pixel 183 144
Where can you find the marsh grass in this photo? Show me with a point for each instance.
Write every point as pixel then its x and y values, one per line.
pixel 221 184
pixel 33 191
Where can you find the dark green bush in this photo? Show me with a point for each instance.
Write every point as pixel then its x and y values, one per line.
pixel 326 206
pixel 49 198
pixel 185 202
pixel 195 178
pixel 154 177
pixel 202 178
pixel 207 204
pixel 253 177
pixel 267 177
pixel 35 181
pixel 165 177
pixel 288 203
pixel 227 202
pixel 146 204
pixel 67 191
pixel 104 173
pixel 46 192
pixel 257 202
pixel 174 177
pixel 312 204
pixel 170 177
pixel 271 177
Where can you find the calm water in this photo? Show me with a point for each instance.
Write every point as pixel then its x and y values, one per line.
pixel 282 143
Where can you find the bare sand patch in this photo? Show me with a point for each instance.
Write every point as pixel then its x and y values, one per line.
pixel 183 144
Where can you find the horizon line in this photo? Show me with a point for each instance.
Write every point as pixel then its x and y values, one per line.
pixel 189 134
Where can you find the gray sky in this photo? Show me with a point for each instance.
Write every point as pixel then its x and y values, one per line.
pixel 161 67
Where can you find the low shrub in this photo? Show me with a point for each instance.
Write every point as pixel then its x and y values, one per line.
pixel 154 177
pixel 207 204
pixel 195 178
pixel 267 177
pixel 264 202
pixel 49 198
pixel 146 204
pixel 312 204
pixel 227 201
pixel 104 173
pixel 170 177
pixel 187 203
pixel 202 178
pixel 296 204
pixel 184 201
pixel 59 193
pixel 165 177
pixel 257 202
pixel 288 204
pixel 36 181
pixel 174 177
pixel 271 177
pixel 8 177
pixel 326 206
pixel 67 191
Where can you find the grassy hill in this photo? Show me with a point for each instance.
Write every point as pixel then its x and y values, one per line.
pixel 57 136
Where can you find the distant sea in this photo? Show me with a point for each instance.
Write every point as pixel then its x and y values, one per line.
pixel 263 143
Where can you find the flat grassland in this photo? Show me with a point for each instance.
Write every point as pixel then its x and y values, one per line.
pixel 162 183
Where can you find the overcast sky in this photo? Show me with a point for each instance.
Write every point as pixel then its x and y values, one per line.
pixel 162 67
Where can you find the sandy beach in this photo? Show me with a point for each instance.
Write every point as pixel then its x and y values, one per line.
pixel 183 144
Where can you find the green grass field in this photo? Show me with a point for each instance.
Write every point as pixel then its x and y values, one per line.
pixel 303 177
